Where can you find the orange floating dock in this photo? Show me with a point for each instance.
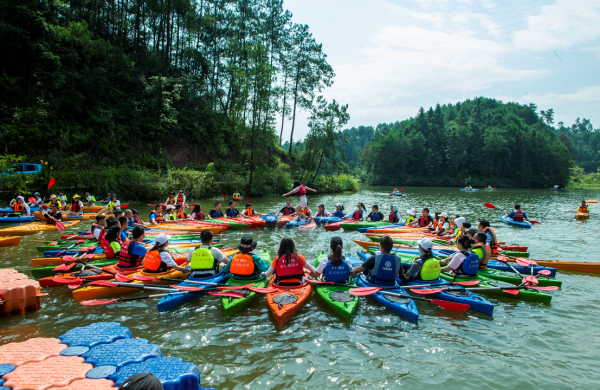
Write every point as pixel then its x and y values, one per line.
pixel 18 293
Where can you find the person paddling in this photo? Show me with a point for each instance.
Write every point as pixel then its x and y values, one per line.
pixel 246 265
pixel 289 266
pixel 90 199
pixel 492 240
pixel 53 215
pixel 110 242
pixel 424 267
pixel 133 251
pixel 232 212
pixel 155 216
pixel 583 207
pixel 205 260
pixel 336 268
pixel 395 216
pixel 360 212
pixel 300 191
pixel 322 212
pixel 76 206
pixel 288 210
pixel 383 267
pixel 412 213
pixel 159 260
pixel 237 195
pixel 375 215
pixel 464 262
pixel 38 199
pixel 517 215
pixel 197 214
pixel 216 212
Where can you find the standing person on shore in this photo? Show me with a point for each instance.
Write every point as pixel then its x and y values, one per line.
pixel 300 191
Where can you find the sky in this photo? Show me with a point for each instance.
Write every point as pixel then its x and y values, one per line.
pixel 392 57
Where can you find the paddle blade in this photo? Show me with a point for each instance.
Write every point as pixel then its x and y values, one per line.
pixel 231 294
pixel 314 281
pixel 451 305
pixel 186 288
pixel 501 259
pixel 51 183
pixel 103 283
pixel 531 279
pixel 224 195
pixel 525 262
pixel 263 290
pixel 60 267
pixel 90 256
pixel 513 292
pixel 534 222
pixel 60 280
pixel 545 272
pixel 426 291
pixel 544 288
pixel 123 278
pixel 98 302
pixel 490 206
pixel 73 286
pixel 69 258
pixel 401 188
pixel 53 243
pixel 59 225
pixel 32 200
pixel 364 291
pixel 69 266
pixel 248 199
pixel 144 278
pixel 234 287
pixel 469 283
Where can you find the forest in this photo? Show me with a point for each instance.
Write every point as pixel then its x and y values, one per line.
pixel 477 142
pixel 154 84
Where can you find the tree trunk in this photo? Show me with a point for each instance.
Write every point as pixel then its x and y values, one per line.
pixel 318 167
pixel 294 115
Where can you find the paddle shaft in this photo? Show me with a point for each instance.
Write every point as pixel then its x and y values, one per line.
pixel 410 297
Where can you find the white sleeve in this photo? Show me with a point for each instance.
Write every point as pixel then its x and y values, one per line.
pixel 218 255
pixel 167 259
pixel 27 209
pixel 183 198
pixel 322 265
pixel 96 233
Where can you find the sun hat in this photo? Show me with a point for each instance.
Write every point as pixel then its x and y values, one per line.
pixel 425 243
pixel 444 215
pixel 52 196
pixel 338 205
pixel 37 193
pixel 459 221
pixel 412 212
pixel 161 239
pixel 170 207
pixel 76 196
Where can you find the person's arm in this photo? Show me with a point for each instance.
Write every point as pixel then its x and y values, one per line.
pixel 312 271
pixel 525 217
pixel 269 272
pixel 310 189
pixel 352 273
pixel 220 257
pixel 289 193
pixel 168 260
pixel 27 209
pixel 321 266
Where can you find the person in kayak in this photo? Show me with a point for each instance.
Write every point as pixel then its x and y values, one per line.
pixel 375 215
pixel 287 210
pixel 443 225
pixel 197 214
pixel 361 210
pixel 412 214
pixel 463 262
pixel 20 208
pixel 216 212
pixel 171 199
pixel 481 249
pixel 110 242
pixel 424 220
pixel 300 191
pixel 339 211
pixel 180 198
pixel 76 206
pixel 383 267
pixel 237 195
pixel 396 191
pixel 517 215
pixel 108 197
pixel 395 216
pixel 123 225
pixel 171 215
pixel 336 268
pixel 322 212
pixel 155 216
pixel 158 259
pixel 436 221
pixel 306 213
pixel 249 212
pixel 232 212
pixel 424 267
pixel 471 232
pixel 141 381
pixel 179 212
pixel 98 227
pixel 90 199
pixel 53 215
pixel 53 199
pixel 289 266
pixel 246 265
pixel 583 207
pixel 136 217
pixel 133 251
pixel 205 260
pixel 492 240
pixel 38 199
pixel 456 230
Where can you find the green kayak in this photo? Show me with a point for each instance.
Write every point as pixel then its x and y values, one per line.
pixel 514 253
pixel 233 305
pixel 337 297
pixel 232 225
pixel 514 278
pixel 411 242
pixel 86 243
pixel 363 224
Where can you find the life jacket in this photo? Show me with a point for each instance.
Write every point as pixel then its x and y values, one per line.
pixel 339 273
pixel 249 212
pixel 436 225
pixel 430 270
pixel 203 259
pixel 375 217
pixel 75 206
pixel 321 214
pixel 480 249
pixel 49 220
pixel 108 250
pixel 232 213
pixel 409 219
pixel 305 211
pixel 423 221
pixel 171 200
pixel 218 214
pixel 112 206
pixel 494 242
pixel 96 226
pixel 18 208
pixel 585 209
pixel 301 192
pixel 242 265
pixel 157 217
pixel 338 213
pixel 291 268
pixel 289 211
pixel 180 199
pixel 181 215
pixel 171 217
pixel 470 265
pixel 137 220
pixel 386 269
pixel 394 217
pixel 357 214
pixel 152 261
pixel 199 216
pixel 518 216
pixel 126 259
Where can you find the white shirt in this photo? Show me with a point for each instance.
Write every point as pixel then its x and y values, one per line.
pixel 457 260
pixel 166 258
pixel 63 199
pixel 96 233
pixel 27 210
pixel 89 198
pixel 217 254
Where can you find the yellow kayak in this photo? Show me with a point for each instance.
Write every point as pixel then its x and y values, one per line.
pixel 33 228
pixel 582 215
pixel 67 217
pixel 187 228
pixel 9 241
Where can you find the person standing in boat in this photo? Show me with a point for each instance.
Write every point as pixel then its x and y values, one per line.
pixel 300 191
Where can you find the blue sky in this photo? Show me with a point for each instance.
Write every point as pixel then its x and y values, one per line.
pixel 392 57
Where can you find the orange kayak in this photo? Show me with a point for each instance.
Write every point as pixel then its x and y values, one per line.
pixel 284 219
pixel 186 227
pixel 398 230
pixel 67 217
pixel 287 300
pixel 89 274
pixel 9 241
pixel 33 228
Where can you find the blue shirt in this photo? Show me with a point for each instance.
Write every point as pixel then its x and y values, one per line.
pixel 123 235
pixel 131 223
pixel 512 214
pixel 138 249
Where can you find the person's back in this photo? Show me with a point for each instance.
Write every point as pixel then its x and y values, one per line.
pixel 132 251
pixel 383 268
pixel 204 259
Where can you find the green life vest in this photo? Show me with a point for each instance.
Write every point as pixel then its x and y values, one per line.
pixel 430 269
pixel 172 217
pixel 203 259
pixel 479 252
pixel 93 198
pixel 112 206
pixel 409 219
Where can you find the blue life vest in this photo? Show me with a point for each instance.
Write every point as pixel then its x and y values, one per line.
pixel 375 217
pixel 217 214
pixel 470 265
pixel 386 270
pixel 340 273
pixel 339 214
pixel 232 213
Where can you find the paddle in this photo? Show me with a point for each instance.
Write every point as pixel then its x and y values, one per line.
pixel 58 224
pixel 70 261
pixel 365 291
pixel 221 286
pixel 509 290
pixel 58 242
pixel 491 206
pixel 107 301
pixel 248 199
pixel 440 303
pixel 524 263
pixel 528 279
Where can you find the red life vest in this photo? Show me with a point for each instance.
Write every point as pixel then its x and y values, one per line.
pixel 18 208
pixel 518 216
pixel 75 207
pixel 96 226
pixel 301 191
pixel 423 221
pixel 289 211
pixel 292 268
pixel 108 250
pixel 394 218
pixel 137 220
pixel 321 214
pixel 357 214
pixel 126 259
pixel 180 199
pixel 199 215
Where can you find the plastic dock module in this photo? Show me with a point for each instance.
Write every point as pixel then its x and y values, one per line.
pixel 88 384
pixel 119 354
pixel 32 350
pixel 94 334
pixel 18 294
pixel 53 372
pixel 173 373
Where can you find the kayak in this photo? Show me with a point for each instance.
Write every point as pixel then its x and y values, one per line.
pixel 16 219
pixel 233 305
pixel 404 305
pixel 362 224
pixel 395 230
pixel 287 300
pixel 376 228
pixel 94 292
pixel 396 194
pixel 233 225
pixel 337 297
pixel 509 221
pixel 9 210
pixel 99 252
pixel 514 278
pixel 369 245
pixel 582 215
pixel 182 227
pixel 33 228
pixel 589 268
pixel 47 270
pixel 106 273
pixel 180 239
pixel 284 219
pixel 296 223
pixel 270 219
pixel 9 241
pixel 473 190
pixel 409 241
pixel 338 225
pixel 327 220
pixel 255 218
pixel 490 286
pixel 85 216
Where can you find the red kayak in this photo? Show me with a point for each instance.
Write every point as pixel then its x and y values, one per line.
pixel 284 219
pixel 338 225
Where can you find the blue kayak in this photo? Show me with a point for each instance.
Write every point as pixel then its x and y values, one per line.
pixel 17 219
pixel 173 300
pixel 403 305
pixel 396 194
pixel 509 221
pixel 473 190
pixel 295 223
pixel 327 220
pixel 270 219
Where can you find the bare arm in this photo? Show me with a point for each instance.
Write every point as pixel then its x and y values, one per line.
pixel 310 189
pixel 289 193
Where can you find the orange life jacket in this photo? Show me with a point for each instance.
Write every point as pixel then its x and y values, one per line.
pixel 494 243
pixel 242 265
pixel 152 260
pixel 18 208
pixel 181 215
pixel 180 199
pixel 306 212
pixel 249 212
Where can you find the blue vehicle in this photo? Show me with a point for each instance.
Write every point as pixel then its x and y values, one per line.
pixel 24 169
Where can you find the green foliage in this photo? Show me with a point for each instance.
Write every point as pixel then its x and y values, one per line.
pixel 580 179
pixel 583 142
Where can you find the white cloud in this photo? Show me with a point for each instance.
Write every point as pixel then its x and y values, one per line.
pixel 593 49
pixel 427 16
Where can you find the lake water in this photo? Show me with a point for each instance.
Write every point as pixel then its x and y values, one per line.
pixel 523 346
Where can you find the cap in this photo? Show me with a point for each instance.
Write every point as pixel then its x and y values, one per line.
pixel 134 211
pixel 170 207
pixel 459 221
pixel 322 205
pixel 161 239
pixel 412 212
pixel 247 243
pixel 337 240
pixel 142 381
pixel 444 215
pixel 52 196
pixel 37 193
pixel 338 205
pixel 472 231
pixel 75 196
pixel 426 243
pixel 180 190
